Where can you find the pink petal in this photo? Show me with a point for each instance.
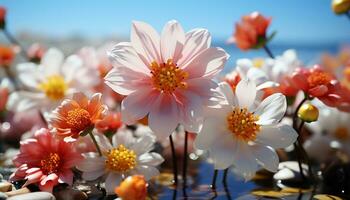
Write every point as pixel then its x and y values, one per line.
pixel 163 117
pixel 207 64
pixel 124 54
pixel 47 183
pixel 172 41
pixel 125 81
pixel 300 81
pixel 146 42
pixel 197 40
pixel 138 104
pixel 81 99
pixel 66 177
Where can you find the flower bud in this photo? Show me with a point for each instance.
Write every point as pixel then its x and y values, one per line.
pixel 308 112
pixel 340 6
pixel 132 188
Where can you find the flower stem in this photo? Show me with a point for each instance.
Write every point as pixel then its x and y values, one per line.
pixel 268 51
pixel 14 41
pixel 224 178
pixel 42 117
pixel 184 168
pixel 213 183
pixel 173 155
pixel 95 142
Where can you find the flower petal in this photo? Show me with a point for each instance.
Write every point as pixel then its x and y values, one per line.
pixel 212 128
pixel 246 93
pixel 245 163
pixel 52 61
pixel 125 138
pixel 222 151
pixel 206 64
pixel 172 41
pixel 143 144
pixel 163 117
pixel 266 156
pixel 272 109
pixel 147 171
pixel 91 162
pixel 112 181
pixel 146 42
pixel 277 136
pixel 152 159
pixel 92 175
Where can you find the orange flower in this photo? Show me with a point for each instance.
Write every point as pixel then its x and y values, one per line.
pixel 75 115
pixel 251 31
pixel 6 55
pixel 232 79
pixel 111 122
pixel 132 188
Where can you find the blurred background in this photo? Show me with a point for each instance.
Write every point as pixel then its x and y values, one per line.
pixel 307 26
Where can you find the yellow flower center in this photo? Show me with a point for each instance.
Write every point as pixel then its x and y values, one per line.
pixel 318 78
pixel 341 133
pixel 120 159
pixel 51 163
pixel 258 62
pixel 54 87
pixel 78 119
pixel 167 76
pixel 243 124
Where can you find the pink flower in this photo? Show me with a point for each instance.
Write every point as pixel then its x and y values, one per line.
pixel 320 84
pixel 167 77
pixel 46 161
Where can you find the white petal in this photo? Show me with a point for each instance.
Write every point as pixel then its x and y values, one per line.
pixel 112 181
pixel 272 109
pixel 138 104
pixel 91 162
pixel 125 81
pixel 246 93
pixel 103 142
pixel 257 75
pixel 152 159
pixel 227 91
pixel 244 162
pixel 30 75
pixel 207 64
pixel 163 118
pixel 212 128
pixel 146 42
pixel 197 40
pixel 277 136
pixel 172 41
pixel 125 138
pixel 143 144
pixel 192 112
pixel 267 84
pixel 147 171
pixel 222 151
pixel 124 54
pixel 266 156
pixel 23 101
pixel 52 61
pixel 92 175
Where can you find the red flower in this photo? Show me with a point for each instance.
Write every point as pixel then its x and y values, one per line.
pixel 111 122
pixel 7 55
pixel 320 84
pixel 46 161
pixel 2 16
pixel 250 31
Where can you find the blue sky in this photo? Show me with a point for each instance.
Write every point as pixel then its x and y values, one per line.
pixel 295 20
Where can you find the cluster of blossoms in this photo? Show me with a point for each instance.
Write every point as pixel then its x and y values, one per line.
pixel 163 81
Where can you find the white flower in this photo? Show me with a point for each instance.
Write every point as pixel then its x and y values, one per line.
pixel 245 135
pixel 51 81
pixel 268 72
pixel 127 156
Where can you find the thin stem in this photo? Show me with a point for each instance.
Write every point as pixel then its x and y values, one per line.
pixel 268 51
pixel 213 183
pixel 296 147
pixel 173 155
pixel 14 41
pixel 11 77
pixel 95 142
pixel 174 194
pixel 184 168
pixel 42 117
pixel 224 178
pixel 228 195
pixel 295 115
pixel 302 150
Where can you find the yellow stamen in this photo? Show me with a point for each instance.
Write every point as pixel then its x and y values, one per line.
pixel 243 124
pixel 167 77
pixel 120 159
pixel 54 87
pixel 79 119
pixel 51 163
pixel 318 78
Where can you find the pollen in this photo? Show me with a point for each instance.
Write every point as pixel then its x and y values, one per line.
pixel 54 87
pixel 242 124
pixel 120 159
pixel 78 118
pixel 51 163
pixel 167 77
pixel 318 78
